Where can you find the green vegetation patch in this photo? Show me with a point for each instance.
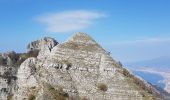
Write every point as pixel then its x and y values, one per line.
pixel 103 87
pixel 56 94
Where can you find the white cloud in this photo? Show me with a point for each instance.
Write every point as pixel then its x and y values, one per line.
pixel 69 20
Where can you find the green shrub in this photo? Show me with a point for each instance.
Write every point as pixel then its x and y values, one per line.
pixel 13 56
pixel 56 94
pixel 126 73
pixel 31 97
pixel 102 87
pixel 24 56
pixel 2 61
pixel 9 97
pixel 84 98
pixel 33 53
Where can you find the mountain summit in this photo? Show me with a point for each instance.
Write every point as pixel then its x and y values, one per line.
pixel 78 69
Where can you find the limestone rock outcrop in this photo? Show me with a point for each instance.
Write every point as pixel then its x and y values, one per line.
pixel 8 71
pixel 79 69
pixel 44 46
pixel 46 42
pixel 11 61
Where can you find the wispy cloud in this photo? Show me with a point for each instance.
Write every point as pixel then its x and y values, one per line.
pixel 69 20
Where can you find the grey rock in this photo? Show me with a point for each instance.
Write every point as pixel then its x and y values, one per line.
pixel 46 42
pixel 44 46
pixel 8 72
pixel 79 69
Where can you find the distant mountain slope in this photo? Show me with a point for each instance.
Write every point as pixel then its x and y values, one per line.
pixel 148 69
pixel 158 63
pixel 153 78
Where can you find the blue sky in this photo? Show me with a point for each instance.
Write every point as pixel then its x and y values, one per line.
pixel 132 30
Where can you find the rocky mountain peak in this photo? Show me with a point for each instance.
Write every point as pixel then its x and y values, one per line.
pixel 81 42
pixel 78 69
pixel 82 38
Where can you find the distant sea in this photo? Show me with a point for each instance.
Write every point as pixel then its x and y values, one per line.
pixel 155 79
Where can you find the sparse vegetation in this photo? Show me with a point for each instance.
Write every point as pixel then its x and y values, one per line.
pixel 33 53
pixel 18 58
pixel 103 87
pixel 83 98
pixel 142 85
pixel 56 94
pixel 126 73
pixel 31 97
pixel 24 56
pixel 13 56
pixel 139 83
pixel 117 64
pixel 9 97
pixel 2 61
pixel 120 64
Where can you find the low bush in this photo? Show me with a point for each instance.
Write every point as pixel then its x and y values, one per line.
pixel 84 98
pixel 9 97
pixel 2 61
pixel 56 94
pixel 126 73
pixel 31 97
pixel 102 87
pixel 24 56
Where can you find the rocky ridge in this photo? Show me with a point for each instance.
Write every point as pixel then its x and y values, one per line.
pixel 11 61
pixel 78 69
pixel 43 45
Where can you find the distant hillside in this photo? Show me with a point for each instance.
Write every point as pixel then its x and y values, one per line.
pixel 158 63
pixel 155 71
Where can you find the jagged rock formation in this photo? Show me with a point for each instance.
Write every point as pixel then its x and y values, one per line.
pixel 11 61
pixel 79 69
pixel 46 42
pixel 44 46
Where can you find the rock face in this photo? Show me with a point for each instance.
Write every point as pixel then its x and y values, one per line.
pixel 8 71
pixel 10 62
pixel 44 46
pixel 78 69
pixel 46 42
